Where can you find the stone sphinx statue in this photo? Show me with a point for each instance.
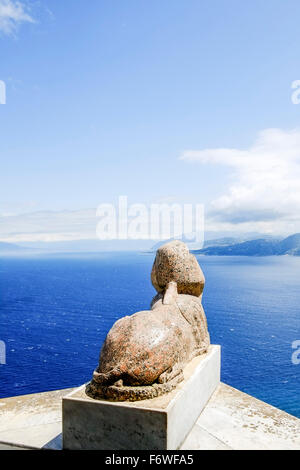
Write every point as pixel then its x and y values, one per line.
pixel 144 354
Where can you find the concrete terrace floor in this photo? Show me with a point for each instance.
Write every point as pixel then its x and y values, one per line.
pixel 232 420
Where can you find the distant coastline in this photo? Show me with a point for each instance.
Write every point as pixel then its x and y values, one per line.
pixel 258 247
pixel 264 245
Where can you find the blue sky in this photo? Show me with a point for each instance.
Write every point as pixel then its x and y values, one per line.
pixel 136 98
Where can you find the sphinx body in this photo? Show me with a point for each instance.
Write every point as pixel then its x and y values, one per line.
pixel 144 354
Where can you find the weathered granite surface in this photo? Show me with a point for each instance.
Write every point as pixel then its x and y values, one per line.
pixel 144 354
pixel 174 262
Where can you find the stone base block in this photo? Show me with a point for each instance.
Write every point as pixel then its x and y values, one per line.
pixel 156 424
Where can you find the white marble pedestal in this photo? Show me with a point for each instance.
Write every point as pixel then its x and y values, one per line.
pixel 156 424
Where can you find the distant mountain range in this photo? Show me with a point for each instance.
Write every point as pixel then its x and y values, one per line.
pixel 217 242
pixel 265 245
pixel 257 247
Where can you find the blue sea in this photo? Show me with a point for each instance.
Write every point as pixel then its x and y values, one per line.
pixel 55 312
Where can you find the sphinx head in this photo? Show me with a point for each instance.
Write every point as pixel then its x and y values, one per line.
pixel 175 264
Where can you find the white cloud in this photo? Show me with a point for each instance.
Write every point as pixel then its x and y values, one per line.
pixel 265 190
pixel 12 13
pixel 49 226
